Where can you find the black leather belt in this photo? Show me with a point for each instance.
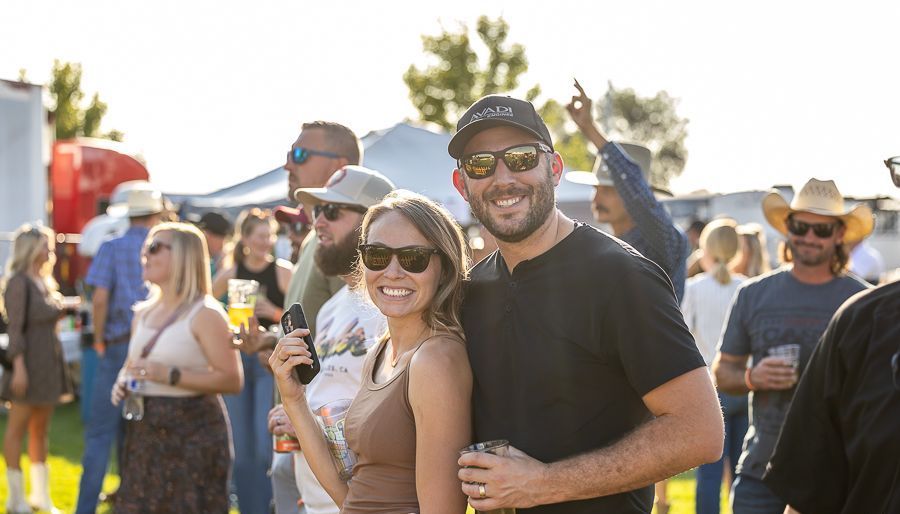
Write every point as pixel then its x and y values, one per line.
pixel 124 338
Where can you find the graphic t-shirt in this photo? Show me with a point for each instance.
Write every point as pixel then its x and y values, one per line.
pixel 773 310
pixel 348 326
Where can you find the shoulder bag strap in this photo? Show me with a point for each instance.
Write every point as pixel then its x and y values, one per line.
pixel 152 342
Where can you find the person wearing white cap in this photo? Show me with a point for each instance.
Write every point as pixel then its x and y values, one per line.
pixel 838 448
pixel 624 198
pixel 116 276
pixel 347 325
pixel 777 320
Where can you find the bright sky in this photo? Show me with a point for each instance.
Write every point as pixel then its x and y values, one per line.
pixel 213 93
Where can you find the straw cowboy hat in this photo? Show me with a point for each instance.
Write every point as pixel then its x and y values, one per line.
pixel 820 197
pixel 135 198
pixel 600 176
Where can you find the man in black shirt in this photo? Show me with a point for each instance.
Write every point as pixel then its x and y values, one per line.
pixel 838 450
pixel 580 355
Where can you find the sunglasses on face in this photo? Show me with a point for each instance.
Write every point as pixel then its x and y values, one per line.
pixel 517 158
pixel 155 247
pixel 893 165
pixel 332 211
pixel 821 230
pixel 299 155
pixel 413 259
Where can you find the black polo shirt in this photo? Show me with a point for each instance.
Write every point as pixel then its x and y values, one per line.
pixel 839 448
pixel 563 349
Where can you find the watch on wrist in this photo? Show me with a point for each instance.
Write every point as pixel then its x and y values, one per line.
pixel 174 375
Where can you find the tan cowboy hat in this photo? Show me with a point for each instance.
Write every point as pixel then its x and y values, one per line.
pixel 820 197
pixel 600 176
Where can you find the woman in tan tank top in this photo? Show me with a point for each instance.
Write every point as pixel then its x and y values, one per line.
pixel 412 413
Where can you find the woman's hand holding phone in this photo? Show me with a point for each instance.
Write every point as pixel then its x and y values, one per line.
pixel 290 351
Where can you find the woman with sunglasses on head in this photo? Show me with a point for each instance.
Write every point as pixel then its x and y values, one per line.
pixel 412 414
pixel 177 457
pixel 253 260
pixel 39 379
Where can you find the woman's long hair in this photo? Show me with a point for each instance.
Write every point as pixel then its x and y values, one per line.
pixel 719 241
pixel 441 230
pixel 27 244
pixel 247 221
pixel 189 268
pixel 754 254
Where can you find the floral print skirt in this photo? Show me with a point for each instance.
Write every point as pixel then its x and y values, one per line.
pixel 177 459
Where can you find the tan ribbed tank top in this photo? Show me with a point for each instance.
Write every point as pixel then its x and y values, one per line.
pixel 381 429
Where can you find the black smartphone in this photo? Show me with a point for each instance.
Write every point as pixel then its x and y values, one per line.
pixel 291 320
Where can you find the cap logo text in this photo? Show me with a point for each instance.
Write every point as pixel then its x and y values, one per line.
pixel 492 112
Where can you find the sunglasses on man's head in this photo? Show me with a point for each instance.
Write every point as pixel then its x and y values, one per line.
pixel 413 259
pixel 821 230
pixel 517 158
pixel 155 247
pixel 299 155
pixel 332 211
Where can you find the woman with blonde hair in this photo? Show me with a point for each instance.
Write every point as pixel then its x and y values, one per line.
pixel 39 379
pixel 753 257
pixel 252 259
pixel 412 413
pixel 177 457
pixel 707 298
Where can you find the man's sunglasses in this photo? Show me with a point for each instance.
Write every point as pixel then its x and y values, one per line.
pixel 517 158
pixel 332 211
pixel 299 155
pixel 155 247
pixel 893 165
pixel 413 259
pixel 821 230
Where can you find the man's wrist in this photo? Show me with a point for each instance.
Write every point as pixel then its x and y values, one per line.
pixel 748 381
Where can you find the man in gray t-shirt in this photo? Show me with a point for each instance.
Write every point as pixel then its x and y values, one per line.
pixel 776 320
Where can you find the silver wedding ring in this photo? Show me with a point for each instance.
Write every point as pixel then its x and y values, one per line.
pixel 481 491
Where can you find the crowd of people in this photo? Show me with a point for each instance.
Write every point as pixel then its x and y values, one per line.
pixel 601 364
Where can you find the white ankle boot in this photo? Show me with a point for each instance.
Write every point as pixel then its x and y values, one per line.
pixel 15 502
pixel 40 488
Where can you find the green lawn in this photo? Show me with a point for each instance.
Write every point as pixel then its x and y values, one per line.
pixel 66 445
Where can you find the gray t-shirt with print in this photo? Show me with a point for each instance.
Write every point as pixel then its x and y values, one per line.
pixel 768 311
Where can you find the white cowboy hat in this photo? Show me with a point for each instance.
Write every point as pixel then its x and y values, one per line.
pixel 600 175
pixel 135 198
pixel 820 197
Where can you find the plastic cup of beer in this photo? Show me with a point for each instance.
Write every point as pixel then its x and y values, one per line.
pixel 241 301
pixel 499 447
pixel 790 354
pixel 331 417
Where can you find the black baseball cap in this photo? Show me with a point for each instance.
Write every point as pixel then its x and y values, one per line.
pixel 494 111
pixel 215 223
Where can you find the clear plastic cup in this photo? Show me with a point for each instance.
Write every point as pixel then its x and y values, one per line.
pixel 790 353
pixel 499 447
pixel 331 417
pixel 242 296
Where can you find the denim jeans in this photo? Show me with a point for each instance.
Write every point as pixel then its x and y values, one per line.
pixel 751 496
pixel 104 426
pixel 248 412
pixel 709 476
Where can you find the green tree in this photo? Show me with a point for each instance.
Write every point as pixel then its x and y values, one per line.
pixel 651 121
pixel 71 118
pixel 442 91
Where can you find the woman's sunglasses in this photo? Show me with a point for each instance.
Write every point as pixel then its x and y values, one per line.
pixel 517 158
pixel 155 247
pixel 821 230
pixel 332 211
pixel 299 155
pixel 893 164
pixel 413 259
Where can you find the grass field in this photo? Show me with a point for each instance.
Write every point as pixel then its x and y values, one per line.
pixel 66 444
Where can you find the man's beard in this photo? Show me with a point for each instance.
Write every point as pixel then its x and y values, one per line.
pixel 339 258
pixel 542 205
pixel 824 255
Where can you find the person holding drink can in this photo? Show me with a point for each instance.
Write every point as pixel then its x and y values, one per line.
pixel 412 413
pixel 177 452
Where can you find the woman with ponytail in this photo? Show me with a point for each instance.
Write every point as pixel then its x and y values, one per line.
pixel 707 297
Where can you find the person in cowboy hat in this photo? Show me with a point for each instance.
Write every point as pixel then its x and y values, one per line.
pixel 838 446
pixel 777 318
pixel 116 276
pixel 624 198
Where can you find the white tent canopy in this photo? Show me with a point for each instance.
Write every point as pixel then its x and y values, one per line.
pixel 414 157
